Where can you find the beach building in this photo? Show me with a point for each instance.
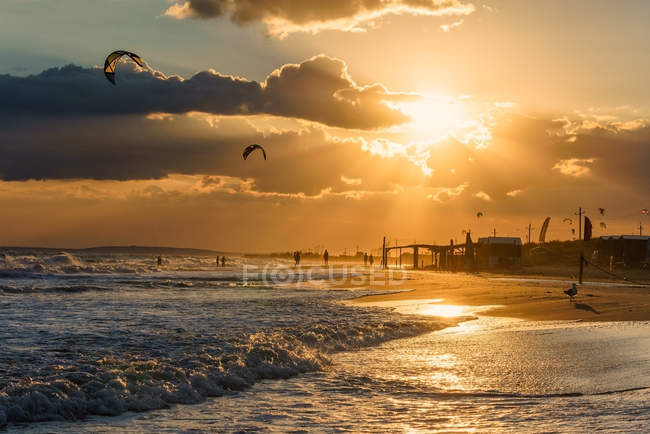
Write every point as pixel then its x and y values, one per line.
pixel 624 250
pixel 498 252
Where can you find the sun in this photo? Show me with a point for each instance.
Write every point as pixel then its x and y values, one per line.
pixel 434 118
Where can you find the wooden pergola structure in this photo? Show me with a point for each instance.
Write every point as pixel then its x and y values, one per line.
pixel 441 255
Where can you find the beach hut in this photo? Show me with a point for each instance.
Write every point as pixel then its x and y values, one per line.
pixel 624 250
pixel 495 252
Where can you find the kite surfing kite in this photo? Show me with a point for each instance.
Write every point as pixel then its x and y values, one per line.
pixel 113 58
pixel 542 232
pixel 479 214
pixel 567 220
pixel 603 225
pixel 250 148
pixel 644 211
pixel 601 211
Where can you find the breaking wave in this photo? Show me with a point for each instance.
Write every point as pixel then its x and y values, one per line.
pixel 112 385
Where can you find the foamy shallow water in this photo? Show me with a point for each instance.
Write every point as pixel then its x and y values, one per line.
pixel 91 342
pixel 131 353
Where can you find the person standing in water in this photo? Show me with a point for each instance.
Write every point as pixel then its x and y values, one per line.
pixel 371 259
pixel 365 259
pixel 159 261
pixel 326 257
pixel 223 261
pixel 217 260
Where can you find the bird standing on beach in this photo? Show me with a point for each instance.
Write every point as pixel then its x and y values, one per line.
pixel 572 292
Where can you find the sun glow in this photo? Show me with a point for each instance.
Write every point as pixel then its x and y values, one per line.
pixel 435 118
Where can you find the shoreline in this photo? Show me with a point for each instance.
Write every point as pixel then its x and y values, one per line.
pixel 524 297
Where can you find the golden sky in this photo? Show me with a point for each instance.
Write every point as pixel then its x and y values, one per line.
pixel 401 118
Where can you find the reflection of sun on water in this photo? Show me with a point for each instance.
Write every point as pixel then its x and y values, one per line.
pixel 444 310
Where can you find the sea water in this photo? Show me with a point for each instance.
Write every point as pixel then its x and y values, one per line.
pixel 93 344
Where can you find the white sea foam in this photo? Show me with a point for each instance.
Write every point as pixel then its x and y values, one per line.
pixel 83 337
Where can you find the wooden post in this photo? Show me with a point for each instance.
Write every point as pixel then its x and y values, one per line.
pixel 415 258
pixel 383 253
pixel 582 260
pixel 451 256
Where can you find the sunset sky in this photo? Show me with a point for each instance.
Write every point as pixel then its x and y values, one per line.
pixel 401 118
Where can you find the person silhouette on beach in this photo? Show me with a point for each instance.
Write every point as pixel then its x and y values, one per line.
pixel 223 261
pixel 326 257
pixel 365 259
pixel 159 261
pixel 371 259
pixel 296 257
pixel 217 260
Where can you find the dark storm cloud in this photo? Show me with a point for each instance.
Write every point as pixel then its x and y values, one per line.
pixel 130 148
pixel 319 89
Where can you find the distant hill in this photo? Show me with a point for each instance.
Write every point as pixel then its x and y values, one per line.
pixel 118 250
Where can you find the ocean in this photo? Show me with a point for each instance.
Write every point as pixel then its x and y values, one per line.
pixel 100 343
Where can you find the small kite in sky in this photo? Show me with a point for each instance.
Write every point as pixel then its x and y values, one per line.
pixel 113 58
pixel 250 148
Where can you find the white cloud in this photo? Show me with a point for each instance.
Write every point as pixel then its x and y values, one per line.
pixel 451 26
pixel 350 181
pixel 515 193
pixel 576 167
pixel 483 195
pixel 444 194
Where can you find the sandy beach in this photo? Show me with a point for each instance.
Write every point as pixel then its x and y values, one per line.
pixel 524 297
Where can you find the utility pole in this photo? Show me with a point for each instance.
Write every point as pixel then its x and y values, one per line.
pixel 579 214
pixel 529 229
pixel 494 231
pixel 383 253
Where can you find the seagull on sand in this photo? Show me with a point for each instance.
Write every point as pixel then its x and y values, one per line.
pixel 572 292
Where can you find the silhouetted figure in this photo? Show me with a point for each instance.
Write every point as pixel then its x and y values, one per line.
pixel 223 261
pixel 326 257
pixel 217 260
pixel 365 259
pixel 371 260
pixel 159 261
pixel 296 257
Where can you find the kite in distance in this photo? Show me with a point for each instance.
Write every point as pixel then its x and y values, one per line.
pixel 567 220
pixel 113 58
pixel 601 211
pixel 603 225
pixel 250 148
pixel 644 211
pixel 479 215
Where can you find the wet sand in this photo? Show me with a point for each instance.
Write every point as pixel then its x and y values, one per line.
pixel 524 297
